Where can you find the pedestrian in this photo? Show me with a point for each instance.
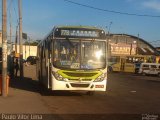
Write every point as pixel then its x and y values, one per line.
pixel 10 62
pixel 16 67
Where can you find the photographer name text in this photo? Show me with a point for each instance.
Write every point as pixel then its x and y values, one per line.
pixel 21 117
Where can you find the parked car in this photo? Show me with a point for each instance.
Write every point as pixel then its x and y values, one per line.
pixel 31 60
pixel 150 69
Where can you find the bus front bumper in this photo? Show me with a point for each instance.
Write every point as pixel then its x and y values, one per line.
pixel 78 86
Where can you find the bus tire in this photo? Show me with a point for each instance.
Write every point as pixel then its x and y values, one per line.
pixel 110 69
pixel 90 93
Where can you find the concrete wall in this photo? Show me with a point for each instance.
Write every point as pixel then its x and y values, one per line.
pixel 26 52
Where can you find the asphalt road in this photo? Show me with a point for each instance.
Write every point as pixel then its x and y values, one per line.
pixel 126 94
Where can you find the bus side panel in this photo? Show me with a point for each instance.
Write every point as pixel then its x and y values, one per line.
pixel 129 67
pixel 116 67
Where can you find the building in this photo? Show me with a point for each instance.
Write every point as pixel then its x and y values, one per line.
pixel 123 44
pixel 27 51
pixel 127 52
pixel 158 49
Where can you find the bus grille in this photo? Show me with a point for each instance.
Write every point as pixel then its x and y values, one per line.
pixel 79 85
pixel 80 74
pixel 82 79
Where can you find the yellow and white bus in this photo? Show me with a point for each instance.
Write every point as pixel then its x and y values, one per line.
pixel 73 58
pixel 127 63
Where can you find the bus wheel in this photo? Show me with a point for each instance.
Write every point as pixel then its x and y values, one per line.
pixel 90 93
pixel 110 69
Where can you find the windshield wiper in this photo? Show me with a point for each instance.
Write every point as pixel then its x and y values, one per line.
pixel 92 42
pixel 71 44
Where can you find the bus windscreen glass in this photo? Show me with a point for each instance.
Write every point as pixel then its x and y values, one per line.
pixel 79 54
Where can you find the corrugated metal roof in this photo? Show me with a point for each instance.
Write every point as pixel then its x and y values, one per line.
pixel 142 40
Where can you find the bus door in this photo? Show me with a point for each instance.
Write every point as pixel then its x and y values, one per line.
pixel 115 64
pixel 122 64
pixel 129 67
pixel 132 63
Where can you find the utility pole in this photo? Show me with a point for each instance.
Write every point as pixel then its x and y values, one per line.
pixel 131 49
pixel 10 40
pixel 4 48
pixel 20 38
pixel 16 39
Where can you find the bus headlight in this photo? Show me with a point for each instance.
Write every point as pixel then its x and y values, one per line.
pixel 58 76
pixel 101 77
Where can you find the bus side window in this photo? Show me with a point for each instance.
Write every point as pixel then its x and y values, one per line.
pixel 145 66
pixel 153 66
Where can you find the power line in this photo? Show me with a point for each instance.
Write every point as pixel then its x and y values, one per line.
pixel 111 11
pixel 16 14
pixel 9 6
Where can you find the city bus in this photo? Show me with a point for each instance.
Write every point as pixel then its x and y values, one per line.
pixel 126 63
pixel 73 58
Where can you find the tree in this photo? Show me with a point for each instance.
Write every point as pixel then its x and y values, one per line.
pixel 32 43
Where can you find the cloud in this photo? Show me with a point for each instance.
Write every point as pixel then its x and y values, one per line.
pixel 152 4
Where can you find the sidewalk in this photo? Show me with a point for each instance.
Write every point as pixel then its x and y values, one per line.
pixel 24 96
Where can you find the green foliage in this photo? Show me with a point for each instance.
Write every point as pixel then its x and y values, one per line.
pixel 32 43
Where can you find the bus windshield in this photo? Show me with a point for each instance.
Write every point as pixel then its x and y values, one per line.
pixel 79 54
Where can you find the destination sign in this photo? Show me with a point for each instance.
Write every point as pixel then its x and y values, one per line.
pixel 80 33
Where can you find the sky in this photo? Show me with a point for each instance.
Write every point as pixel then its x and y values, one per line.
pixel 40 16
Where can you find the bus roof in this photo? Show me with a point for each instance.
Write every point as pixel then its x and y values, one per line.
pixel 92 28
pixel 150 63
